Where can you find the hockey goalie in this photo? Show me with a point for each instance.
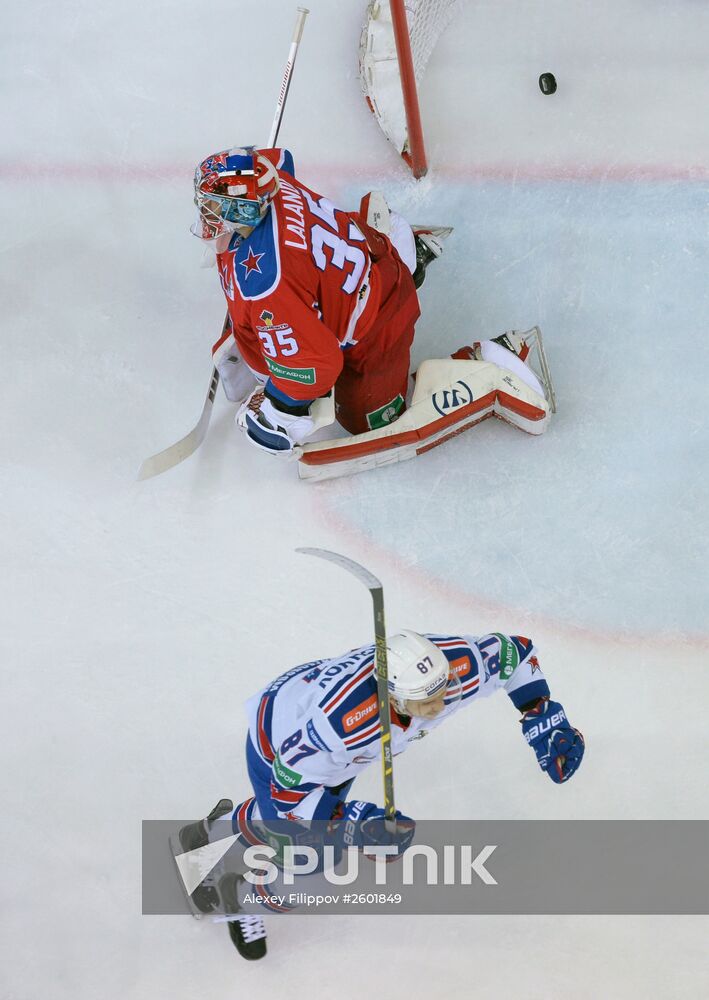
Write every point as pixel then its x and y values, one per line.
pixel 322 305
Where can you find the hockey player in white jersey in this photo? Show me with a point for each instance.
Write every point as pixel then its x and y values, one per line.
pixel 316 727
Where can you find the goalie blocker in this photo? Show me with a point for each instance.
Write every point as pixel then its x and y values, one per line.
pixel 450 396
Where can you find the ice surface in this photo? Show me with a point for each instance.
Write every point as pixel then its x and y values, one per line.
pixel 137 617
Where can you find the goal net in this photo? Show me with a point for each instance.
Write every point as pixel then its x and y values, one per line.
pixel 396 43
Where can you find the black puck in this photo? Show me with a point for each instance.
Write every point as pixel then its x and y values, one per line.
pixel 547 83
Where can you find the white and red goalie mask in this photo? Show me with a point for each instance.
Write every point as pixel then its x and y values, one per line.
pixel 233 190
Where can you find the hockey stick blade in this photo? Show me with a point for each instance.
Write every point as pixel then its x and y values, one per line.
pixel 187 445
pixel 367 578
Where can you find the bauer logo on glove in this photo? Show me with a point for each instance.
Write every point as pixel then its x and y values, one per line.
pixel 558 746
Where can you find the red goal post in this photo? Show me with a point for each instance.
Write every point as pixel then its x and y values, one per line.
pixel 396 43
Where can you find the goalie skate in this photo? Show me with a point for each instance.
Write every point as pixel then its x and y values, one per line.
pixel 529 346
pixel 429 247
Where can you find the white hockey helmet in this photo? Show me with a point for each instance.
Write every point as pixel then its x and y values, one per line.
pixel 417 668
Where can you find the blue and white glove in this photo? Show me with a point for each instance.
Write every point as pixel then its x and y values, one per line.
pixel 270 429
pixel 558 746
pixel 362 825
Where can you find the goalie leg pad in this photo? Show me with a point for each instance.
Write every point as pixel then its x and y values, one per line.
pixel 378 215
pixel 450 397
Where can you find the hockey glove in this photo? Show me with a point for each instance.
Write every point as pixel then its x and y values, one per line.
pixel 271 429
pixel 362 825
pixel 558 746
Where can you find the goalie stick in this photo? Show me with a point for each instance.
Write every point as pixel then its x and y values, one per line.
pixel 187 445
pixel 377 591
pixel 183 448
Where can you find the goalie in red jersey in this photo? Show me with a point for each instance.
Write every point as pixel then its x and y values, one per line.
pixel 321 302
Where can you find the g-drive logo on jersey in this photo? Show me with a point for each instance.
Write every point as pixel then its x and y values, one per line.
pixel 365 710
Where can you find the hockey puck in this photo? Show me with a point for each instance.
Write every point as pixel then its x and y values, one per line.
pixel 547 83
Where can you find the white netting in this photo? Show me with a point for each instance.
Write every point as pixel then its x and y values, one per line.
pixel 379 67
pixel 427 20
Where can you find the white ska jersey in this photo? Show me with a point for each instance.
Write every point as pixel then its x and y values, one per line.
pixel 317 726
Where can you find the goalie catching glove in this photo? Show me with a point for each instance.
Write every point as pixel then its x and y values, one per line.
pixel 558 746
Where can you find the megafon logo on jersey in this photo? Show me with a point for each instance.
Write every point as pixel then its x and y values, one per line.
pixel 357 716
pixel 446 400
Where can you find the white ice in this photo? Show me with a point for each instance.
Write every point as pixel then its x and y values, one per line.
pixel 138 616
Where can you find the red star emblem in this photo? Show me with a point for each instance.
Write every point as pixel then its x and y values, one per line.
pixel 251 262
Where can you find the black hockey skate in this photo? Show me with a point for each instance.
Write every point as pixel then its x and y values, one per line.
pixel 205 897
pixel 247 933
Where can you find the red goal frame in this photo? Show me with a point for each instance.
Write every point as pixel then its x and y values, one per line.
pixel 416 157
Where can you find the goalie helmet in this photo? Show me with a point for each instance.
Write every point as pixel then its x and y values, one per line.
pixel 232 192
pixel 417 668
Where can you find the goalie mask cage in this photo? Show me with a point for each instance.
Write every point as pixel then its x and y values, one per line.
pixel 396 44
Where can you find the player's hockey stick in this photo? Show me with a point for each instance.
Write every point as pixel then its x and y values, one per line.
pixel 187 445
pixel 377 591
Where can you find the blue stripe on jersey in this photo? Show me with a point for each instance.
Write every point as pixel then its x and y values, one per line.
pixel 351 702
pixel 315 738
pixel 340 672
pixel 369 734
pixel 256 263
pixel 358 710
pixel 524 646
pixel 275 393
pixel 529 692
pixel 290 794
pixel 452 645
pixel 286 162
pixel 311 667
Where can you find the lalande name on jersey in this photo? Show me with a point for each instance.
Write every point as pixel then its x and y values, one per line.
pixel 440 864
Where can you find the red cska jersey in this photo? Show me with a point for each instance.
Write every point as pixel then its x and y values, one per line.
pixel 306 285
